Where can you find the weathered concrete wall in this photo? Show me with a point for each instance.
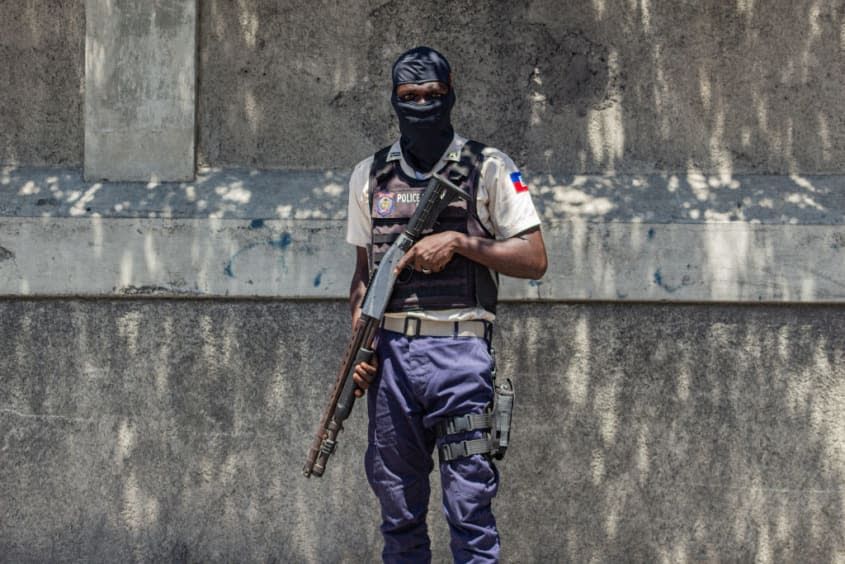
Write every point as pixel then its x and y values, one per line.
pixel 140 78
pixel 176 430
pixel 579 87
pixel 275 234
pixel 42 52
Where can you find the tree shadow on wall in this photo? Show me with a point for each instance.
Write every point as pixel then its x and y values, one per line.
pixel 662 440
pixel 580 88
pixel 176 431
pixel 41 79
pixel 643 433
pixel 674 433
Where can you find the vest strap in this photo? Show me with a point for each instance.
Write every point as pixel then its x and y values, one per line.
pixel 380 238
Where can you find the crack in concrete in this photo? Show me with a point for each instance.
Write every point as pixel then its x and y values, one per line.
pixel 45 416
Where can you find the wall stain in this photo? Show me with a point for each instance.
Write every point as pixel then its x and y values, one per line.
pixel 142 290
pixel 6 254
pixel 658 279
pixel 685 281
pixel 536 284
pixel 554 71
pixel 151 290
pixel 283 242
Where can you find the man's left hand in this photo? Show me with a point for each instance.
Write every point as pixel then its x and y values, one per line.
pixel 431 253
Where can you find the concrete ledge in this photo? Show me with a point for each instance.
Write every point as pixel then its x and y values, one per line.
pixel 278 234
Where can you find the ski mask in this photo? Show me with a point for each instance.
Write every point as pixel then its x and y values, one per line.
pixel 426 128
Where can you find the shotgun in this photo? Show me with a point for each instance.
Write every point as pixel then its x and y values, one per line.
pixel 439 193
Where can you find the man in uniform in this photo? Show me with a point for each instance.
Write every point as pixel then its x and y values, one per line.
pixel 433 365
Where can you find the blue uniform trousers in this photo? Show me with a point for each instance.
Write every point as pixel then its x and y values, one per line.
pixel 423 380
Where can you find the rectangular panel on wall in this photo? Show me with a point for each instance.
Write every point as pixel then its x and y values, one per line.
pixel 140 94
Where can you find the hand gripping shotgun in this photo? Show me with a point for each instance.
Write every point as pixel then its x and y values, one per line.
pixel 439 193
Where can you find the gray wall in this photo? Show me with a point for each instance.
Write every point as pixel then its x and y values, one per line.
pixel 42 51
pixel 156 402
pixel 586 87
pixel 589 86
pixel 176 430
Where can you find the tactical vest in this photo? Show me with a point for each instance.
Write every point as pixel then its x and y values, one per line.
pixel 394 197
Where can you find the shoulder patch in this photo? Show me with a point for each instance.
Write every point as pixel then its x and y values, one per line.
pixel 516 180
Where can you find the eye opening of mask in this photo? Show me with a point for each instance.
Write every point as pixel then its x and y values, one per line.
pixel 422 92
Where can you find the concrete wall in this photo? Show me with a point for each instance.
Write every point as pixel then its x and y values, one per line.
pixel 176 430
pixel 140 77
pixel 575 87
pixel 279 234
pixel 42 54
pixel 579 87
pixel 676 401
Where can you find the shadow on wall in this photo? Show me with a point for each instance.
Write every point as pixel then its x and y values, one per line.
pixel 583 87
pixel 216 193
pixel 159 430
pixel 669 434
pixel 691 198
pixel 173 431
pixel 683 237
pixel 42 52
pixel 592 83
pixel 687 100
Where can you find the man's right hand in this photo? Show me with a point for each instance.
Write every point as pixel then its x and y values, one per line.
pixel 365 372
pixel 364 375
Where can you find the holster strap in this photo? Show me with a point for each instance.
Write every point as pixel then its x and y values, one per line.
pixel 464 423
pixel 462 449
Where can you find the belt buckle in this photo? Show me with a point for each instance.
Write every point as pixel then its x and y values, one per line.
pixel 407 330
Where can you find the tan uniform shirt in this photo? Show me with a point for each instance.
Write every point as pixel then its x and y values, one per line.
pixel 504 208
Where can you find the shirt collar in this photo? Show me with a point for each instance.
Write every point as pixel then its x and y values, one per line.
pixel 451 154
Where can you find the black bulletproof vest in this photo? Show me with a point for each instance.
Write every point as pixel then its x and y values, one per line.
pixel 394 197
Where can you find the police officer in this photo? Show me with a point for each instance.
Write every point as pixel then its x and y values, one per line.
pixel 433 363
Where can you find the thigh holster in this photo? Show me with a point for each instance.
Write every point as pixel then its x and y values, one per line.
pixel 495 422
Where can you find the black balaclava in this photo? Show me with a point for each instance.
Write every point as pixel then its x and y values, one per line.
pixel 426 128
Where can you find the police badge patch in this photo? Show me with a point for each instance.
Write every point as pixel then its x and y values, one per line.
pixel 385 202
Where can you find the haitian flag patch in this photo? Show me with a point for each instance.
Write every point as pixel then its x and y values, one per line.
pixel 516 178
